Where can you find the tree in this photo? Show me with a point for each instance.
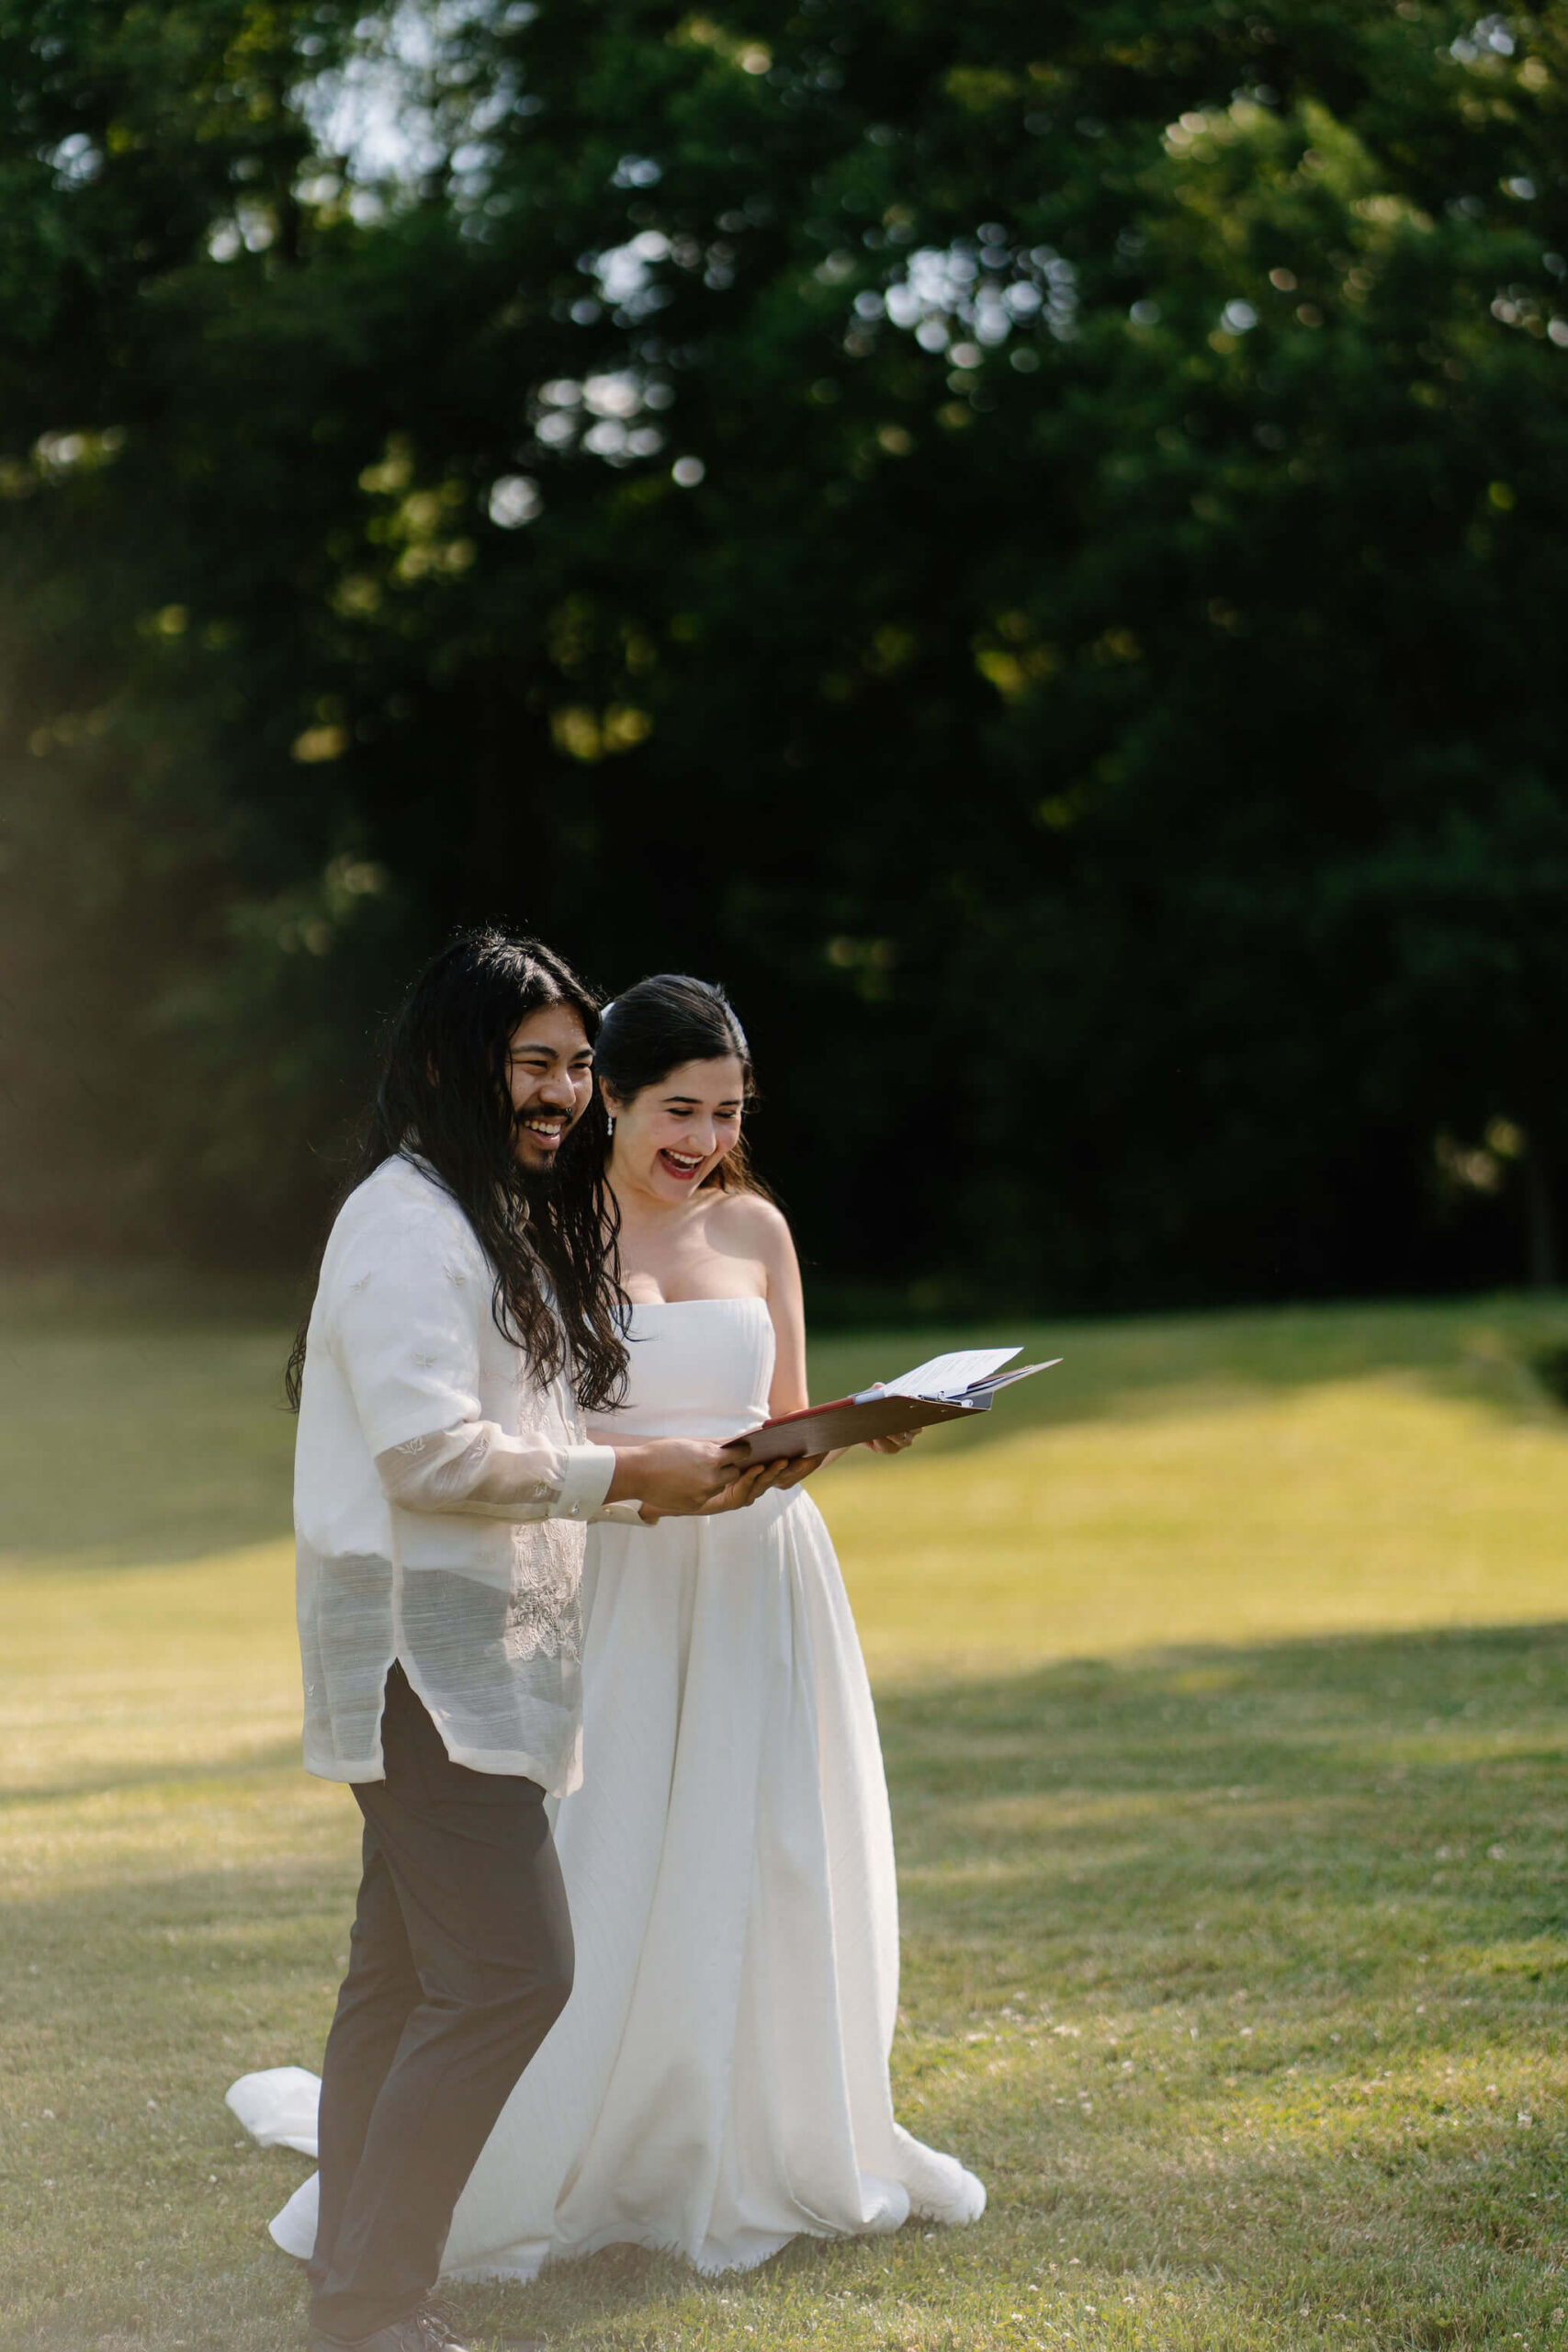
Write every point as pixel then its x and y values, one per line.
pixel 1026 542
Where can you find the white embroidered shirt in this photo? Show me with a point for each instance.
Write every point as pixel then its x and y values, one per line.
pixel 441 1497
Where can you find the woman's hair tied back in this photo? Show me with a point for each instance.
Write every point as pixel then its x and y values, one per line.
pixel 658 1025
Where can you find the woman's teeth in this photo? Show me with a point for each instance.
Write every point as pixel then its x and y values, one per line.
pixel 680 1165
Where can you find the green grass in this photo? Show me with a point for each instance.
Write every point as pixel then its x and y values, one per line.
pixel 1222 1680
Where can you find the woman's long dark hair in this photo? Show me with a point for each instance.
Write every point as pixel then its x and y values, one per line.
pixel 652 1028
pixel 444 1095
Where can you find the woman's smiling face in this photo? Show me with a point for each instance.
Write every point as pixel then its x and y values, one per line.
pixel 673 1134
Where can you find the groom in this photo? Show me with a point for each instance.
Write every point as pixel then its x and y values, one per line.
pixel 465 1318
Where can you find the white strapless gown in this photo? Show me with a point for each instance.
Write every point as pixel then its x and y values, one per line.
pixel 717 2083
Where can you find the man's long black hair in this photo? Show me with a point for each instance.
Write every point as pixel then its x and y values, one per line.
pixel 443 1096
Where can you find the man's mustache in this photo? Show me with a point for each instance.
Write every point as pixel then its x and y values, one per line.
pixel 540 1183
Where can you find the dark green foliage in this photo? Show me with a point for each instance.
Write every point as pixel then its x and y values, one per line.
pixel 1114 763
pixel 1551 1368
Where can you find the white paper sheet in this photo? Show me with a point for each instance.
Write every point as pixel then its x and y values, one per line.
pixel 950 1376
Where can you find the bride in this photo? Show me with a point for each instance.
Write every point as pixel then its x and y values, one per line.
pixel 717 2083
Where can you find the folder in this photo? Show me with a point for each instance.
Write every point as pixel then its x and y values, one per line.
pixel 946 1389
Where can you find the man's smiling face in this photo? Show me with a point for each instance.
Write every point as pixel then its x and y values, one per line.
pixel 549 1070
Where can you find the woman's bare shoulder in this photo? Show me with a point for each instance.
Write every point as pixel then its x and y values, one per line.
pixel 746 1223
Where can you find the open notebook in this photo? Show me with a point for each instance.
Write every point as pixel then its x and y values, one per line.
pixel 942 1390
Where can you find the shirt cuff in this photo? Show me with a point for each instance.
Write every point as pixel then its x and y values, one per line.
pixel 589 1470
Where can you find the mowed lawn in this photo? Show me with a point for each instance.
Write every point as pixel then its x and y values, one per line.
pixel 1221 1678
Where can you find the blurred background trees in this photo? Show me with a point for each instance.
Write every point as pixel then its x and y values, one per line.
pixel 1028 539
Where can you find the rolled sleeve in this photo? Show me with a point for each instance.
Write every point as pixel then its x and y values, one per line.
pixel 477 1471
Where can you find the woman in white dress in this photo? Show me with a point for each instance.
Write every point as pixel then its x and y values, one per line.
pixel 717 2083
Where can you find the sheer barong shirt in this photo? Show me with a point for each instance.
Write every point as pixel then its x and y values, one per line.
pixel 441 1500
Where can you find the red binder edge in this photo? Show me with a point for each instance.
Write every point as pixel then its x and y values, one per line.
pixel 820 1428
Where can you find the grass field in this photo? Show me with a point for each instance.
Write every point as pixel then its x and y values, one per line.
pixel 1222 1678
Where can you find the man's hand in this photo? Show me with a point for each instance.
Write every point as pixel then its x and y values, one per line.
pixel 676 1477
pixel 750 1483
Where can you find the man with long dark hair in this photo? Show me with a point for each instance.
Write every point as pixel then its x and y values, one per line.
pixel 466 1316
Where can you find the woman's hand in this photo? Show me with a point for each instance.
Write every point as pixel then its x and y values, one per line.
pixel 680 1476
pixel 756 1481
pixel 806 1465
pixel 792 1473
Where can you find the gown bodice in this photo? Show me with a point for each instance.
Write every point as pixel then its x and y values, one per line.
pixel 700 1367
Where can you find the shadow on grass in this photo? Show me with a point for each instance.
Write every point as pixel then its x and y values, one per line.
pixel 190 1449
pixel 1309 1814
pixel 20 1796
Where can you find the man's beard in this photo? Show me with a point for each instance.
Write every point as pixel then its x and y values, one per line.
pixel 540 1183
